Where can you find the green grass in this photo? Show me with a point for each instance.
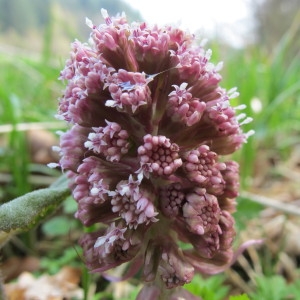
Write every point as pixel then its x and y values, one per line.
pixel 29 92
pixel 273 78
pixel 34 85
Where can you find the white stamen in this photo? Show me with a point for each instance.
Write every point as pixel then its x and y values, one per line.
pixel 59 132
pixel 140 176
pixel 219 66
pixel 53 165
pixel 56 148
pixel 88 144
pixel 249 133
pixel 59 117
pixel 106 17
pixel 208 54
pixel 240 117
pixel 100 241
pixel 104 13
pixel 94 191
pixel 89 23
pixel 240 107
pixel 246 121
pixel 111 103
pixel 233 93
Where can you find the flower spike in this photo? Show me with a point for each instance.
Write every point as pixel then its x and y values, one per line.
pixel 149 124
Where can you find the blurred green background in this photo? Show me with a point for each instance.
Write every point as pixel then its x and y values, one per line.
pixel 35 39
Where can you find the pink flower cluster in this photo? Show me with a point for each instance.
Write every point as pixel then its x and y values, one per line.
pixel 149 124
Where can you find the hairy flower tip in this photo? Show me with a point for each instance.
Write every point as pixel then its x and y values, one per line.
pixel 129 90
pixel 109 248
pixel 79 61
pixel 133 204
pixel 150 43
pixel 171 199
pixel 227 228
pixel 201 212
pixel 72 147
pixel 182 106
pixel 160 155
pixel 91 184
pixel 231 177
pixel 223 117
pixel 194 63
pixel 201 166
pixel 110 141
pixel 86 73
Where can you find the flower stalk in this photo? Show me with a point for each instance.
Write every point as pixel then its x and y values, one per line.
pixel 149 125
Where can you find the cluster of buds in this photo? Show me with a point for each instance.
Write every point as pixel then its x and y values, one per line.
pixel 149 126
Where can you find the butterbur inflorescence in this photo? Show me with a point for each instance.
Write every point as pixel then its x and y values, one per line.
pixel 149 124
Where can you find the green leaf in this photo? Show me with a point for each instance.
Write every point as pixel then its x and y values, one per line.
pixel 23 213
pixel 70 206
pixel 59 225
pixel 211 288
pixel 270 288
pixel 68 257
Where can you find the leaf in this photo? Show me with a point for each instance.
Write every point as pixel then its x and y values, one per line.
pixel 64 283
pixel 68 257
pixel 294 290
pixel 59 225
pixel 70 206
pixel 211 288
pixel 23 213
pixel 270 288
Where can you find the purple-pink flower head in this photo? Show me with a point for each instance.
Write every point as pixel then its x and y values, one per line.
pixel 149 125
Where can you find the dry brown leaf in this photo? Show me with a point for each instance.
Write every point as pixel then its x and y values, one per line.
pixel 14 266
pixel 40 143
pixel 61 286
